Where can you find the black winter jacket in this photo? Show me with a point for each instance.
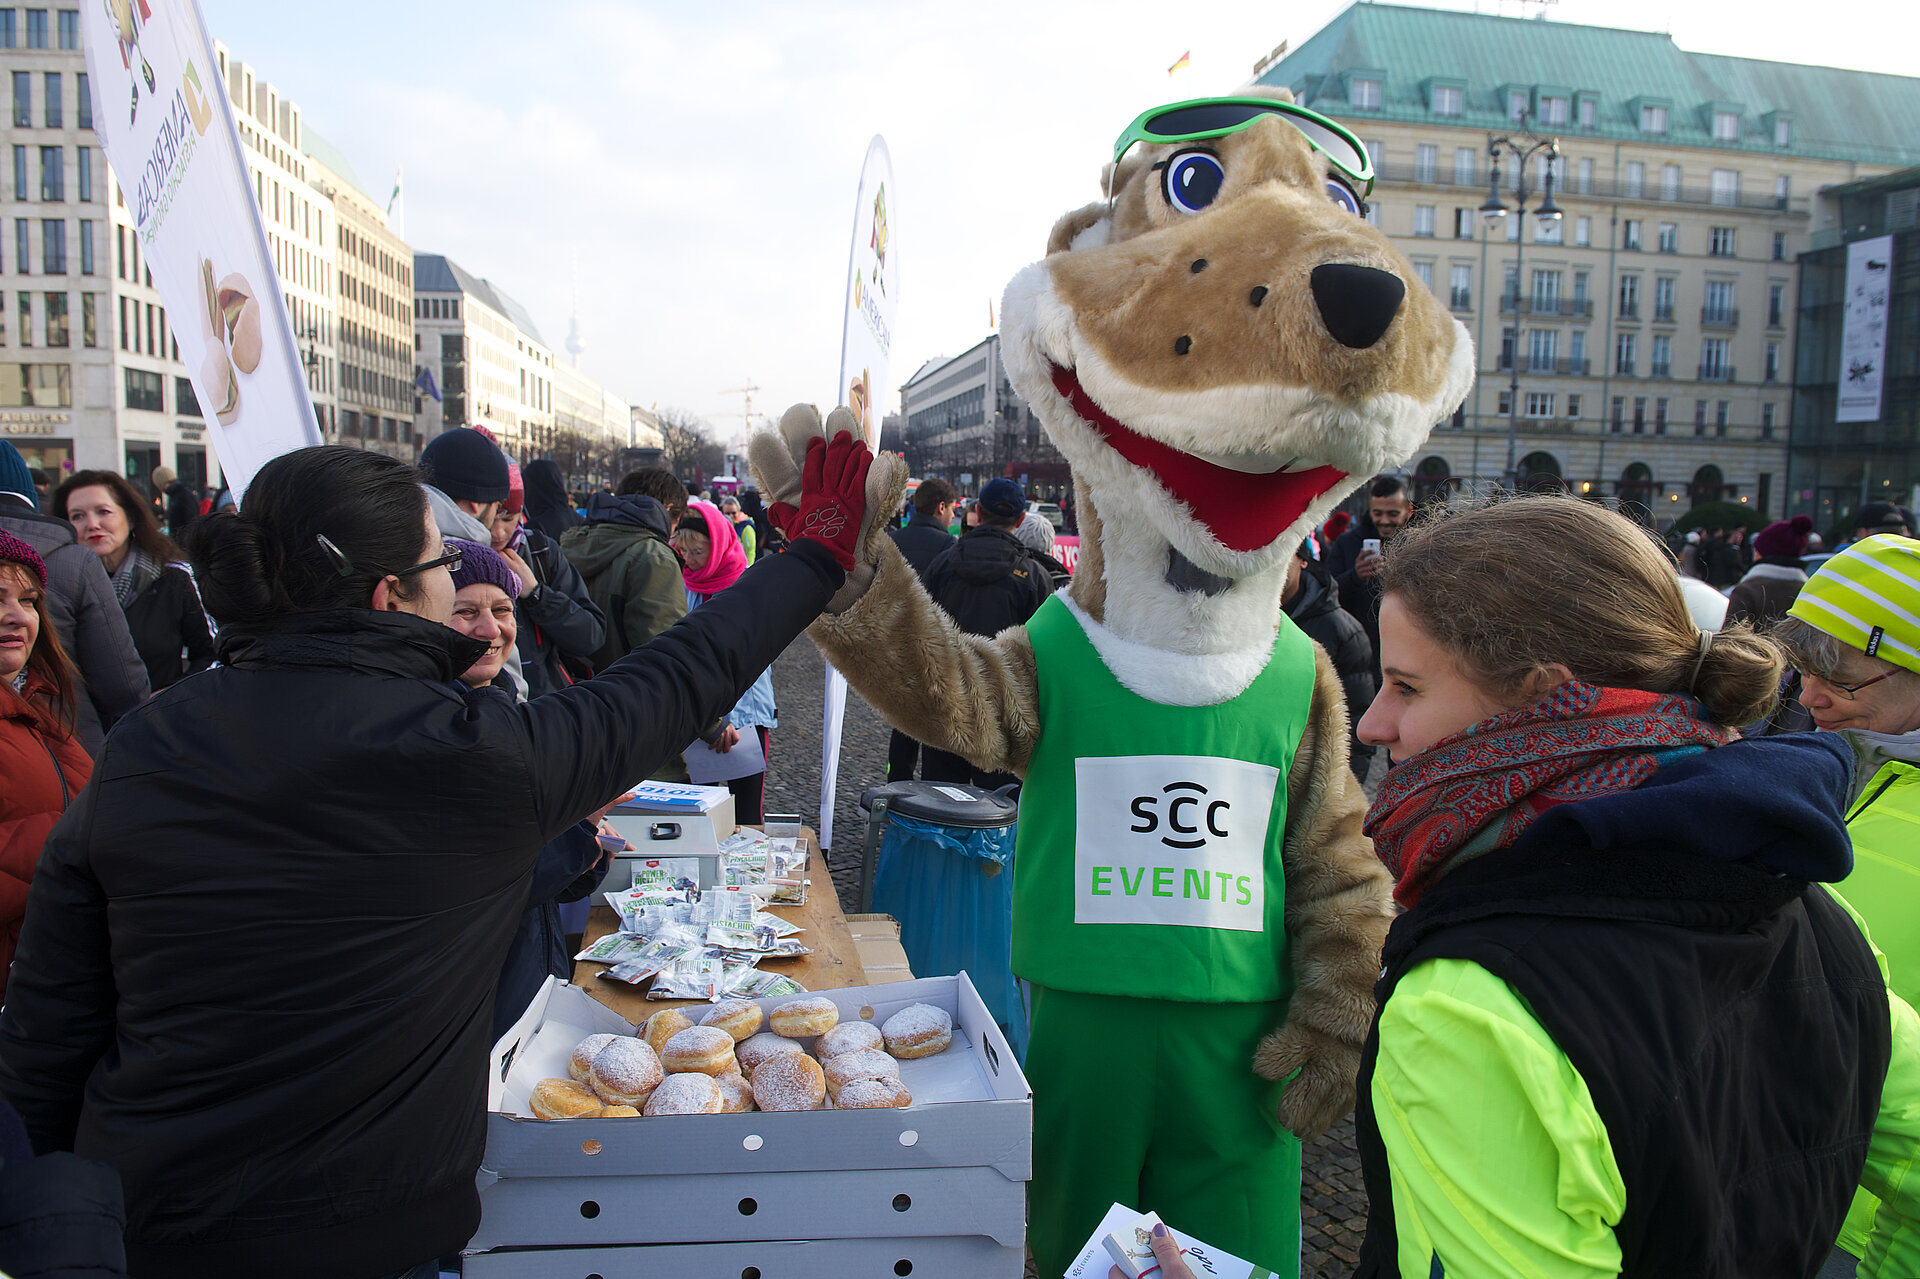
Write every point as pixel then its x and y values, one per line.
pixel 1358 595
pixel 165 617
pixel 1315 610
pixel 261 948
pixel 556 619
pixel 922 541
pixel 548 507
pixel 988 581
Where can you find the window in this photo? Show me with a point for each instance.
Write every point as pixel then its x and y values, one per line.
pixel 1463 224
pixel 1619 412
pixel 1782 189
pixel 89 319
pixel 1375 149
pixel 9 34
pixel 1630 234
pixel 1639 415
pixel 1508 337
pixel 1636 180
pixel 22 236
pixel 1460 288
pixel 1549 230
pixel 1516 105
pixel 57 320
pixel 1782 131
pixel 36 28
pixel 1776 303
pixel 1663 300
pixel 20 189
pixel 1513 227
pixel 1424 270
pixel 1553 110
pixel 1426 162
pixel 85 157
pixel 1669 238
pixel 69 28
pixel 45 386
pixel 1423 220
pixel 1504 405
pixel 185 402
pixel 53 175
pixel 1577 352
pixel 1660 417
pixel 1766 421
pixel 1624 348
pixel 1720 242
pixel 1699 417
pixel 1543 348
pixel 1662 356
pixel 1583 231
pixel 1726 186
pixel 1546 291
pixel 1773 361
pixel 1720 408
pixel 1539 404
pixel 1373 218
pixel 1585 183
pixel 53 246
pixel 1779 246
pixel 1719 303
pixel 86 247
pixel 1629 297
pixel 23 99
pixel 1366 93
pixel 1446 99
pixel 83 104
pixel 1726 126
pixel 1713 360
pixel 146 391
pixel 1653 119
pixel 1586 113
pixel 1573 406
pixel 1669 182
pixel 1464 166
pixel 26 317
pixel 1580 279
pixel 55 113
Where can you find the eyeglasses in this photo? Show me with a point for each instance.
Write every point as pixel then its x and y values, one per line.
pixel 1202 118
pixel 450 561
pixel 344 566
pixel 1845 691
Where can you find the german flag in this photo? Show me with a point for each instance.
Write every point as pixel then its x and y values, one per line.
pixel 1185 58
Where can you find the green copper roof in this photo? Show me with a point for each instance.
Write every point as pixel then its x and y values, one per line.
pixel 1837 115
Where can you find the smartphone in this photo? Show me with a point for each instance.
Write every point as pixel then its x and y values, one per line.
pixel 1370 546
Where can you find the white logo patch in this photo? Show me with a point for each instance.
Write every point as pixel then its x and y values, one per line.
pixel 1172 839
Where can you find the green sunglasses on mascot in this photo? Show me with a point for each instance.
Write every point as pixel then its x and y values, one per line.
pixel 1191 188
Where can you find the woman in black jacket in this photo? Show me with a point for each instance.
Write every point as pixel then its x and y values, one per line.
pixel 259 958
pixel 149 573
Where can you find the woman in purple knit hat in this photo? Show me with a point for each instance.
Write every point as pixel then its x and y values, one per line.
pixel 1771 586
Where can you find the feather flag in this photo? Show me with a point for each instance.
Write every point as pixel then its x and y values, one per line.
pixel 1185 58
pixel 989 313
pixel 397 208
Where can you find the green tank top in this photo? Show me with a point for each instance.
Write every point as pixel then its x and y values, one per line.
pixel 1147 861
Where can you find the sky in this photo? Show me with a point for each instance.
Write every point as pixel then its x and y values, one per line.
pixel 682 176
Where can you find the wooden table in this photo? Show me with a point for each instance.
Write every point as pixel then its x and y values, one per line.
pixel 834 963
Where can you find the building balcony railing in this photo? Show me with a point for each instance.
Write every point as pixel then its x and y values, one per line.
pixel 1720 317
pixel 1660 370
pixel 1628 311
pixel 1569 186
pixel 1460 300
pixel 1720 373
pixel 1663 314
pixel 1572 308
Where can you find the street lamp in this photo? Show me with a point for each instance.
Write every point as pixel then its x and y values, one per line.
pixel 1519 149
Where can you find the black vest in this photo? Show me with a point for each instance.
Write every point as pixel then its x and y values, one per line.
pixel 1730 1024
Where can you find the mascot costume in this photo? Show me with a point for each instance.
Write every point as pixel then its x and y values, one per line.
pixel 1223 349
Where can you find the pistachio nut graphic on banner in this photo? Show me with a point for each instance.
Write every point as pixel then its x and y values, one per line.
pixel 129 17
pixel 231 315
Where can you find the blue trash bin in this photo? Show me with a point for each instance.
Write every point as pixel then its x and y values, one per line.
pixel 943 867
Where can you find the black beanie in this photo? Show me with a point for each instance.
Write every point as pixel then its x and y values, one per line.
pixel 462 463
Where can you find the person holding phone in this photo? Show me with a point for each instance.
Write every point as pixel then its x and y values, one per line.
pixel 1355 558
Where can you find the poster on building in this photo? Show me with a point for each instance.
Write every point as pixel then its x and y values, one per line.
pixel 865 385
pixel 1863 331
pixel 163 119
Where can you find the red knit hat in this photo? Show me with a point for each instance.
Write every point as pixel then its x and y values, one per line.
pixel 15 551
pixel 1784 538
pixel 516 490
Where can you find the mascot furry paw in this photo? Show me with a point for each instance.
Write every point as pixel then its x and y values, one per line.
pixel 1223 349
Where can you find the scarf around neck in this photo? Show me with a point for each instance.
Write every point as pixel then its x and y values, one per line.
pixel 134 573
pixel 726 561
pixel 1477 791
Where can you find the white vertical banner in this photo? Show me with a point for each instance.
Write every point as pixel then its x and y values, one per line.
pixel 1863 330
pixel 162 115
pixel 865 386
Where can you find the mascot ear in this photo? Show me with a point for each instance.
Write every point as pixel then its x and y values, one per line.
pixel 1069 227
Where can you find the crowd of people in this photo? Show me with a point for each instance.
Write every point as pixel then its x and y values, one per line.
pixel 1644 1010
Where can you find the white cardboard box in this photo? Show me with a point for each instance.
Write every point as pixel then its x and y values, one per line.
pixel 714 825
pixel 952 1166
pixel 789 1259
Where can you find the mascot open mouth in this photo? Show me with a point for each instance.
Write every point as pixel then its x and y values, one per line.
pixel 1244 511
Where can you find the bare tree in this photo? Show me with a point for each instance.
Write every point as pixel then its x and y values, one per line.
pixel 692 451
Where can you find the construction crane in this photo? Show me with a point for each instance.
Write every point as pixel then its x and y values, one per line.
pixel 746 415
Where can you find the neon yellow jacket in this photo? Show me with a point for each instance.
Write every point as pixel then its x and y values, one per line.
pixel 1500 1164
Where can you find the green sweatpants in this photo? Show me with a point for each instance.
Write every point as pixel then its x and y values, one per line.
pixel 1155 1105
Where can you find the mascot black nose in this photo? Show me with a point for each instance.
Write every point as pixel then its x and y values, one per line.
pixel 1357 302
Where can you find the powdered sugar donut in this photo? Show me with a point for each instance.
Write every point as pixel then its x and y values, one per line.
pixel 612 1112
pixel 736 1094
pixel 849 1037
pixel 626 1072
pixel 584 1052
pixel 561 1099
pixel 789 1081
pixel 867 1064
pixel 738 1017
pixel 762 1046
pixel 919 1030
pixel 687 1094
pixel 664 1025
pixel 706 1050
pixel 804 1018
pixel 873 1094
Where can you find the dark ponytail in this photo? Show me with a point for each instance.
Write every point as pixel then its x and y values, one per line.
pixel 267 561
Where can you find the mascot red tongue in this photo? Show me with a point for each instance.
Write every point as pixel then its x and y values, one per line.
pixel 1195 908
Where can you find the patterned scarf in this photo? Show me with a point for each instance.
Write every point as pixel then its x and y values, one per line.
pixel 1478 790
pixel 134 572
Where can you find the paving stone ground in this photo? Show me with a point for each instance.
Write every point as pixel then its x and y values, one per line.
pixel 1333 1201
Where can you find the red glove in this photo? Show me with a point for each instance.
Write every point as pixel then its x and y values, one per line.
pixel 833 497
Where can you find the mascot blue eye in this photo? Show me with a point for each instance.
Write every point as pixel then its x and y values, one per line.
pixel 1192 180
pixel 1340 195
